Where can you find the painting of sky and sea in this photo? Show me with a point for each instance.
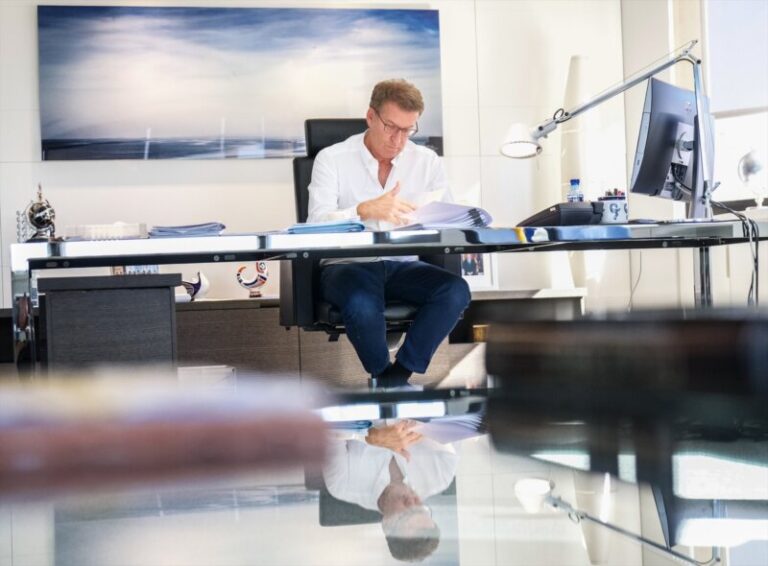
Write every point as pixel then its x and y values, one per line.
pixel 221 83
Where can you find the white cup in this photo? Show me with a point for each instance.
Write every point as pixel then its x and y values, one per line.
pixel 531 492
pixel 615 210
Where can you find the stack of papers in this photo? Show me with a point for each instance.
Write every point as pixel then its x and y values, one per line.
pixel 449 215
pixel 346 225
pixel 190 230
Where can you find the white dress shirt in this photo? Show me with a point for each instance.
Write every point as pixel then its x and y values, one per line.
pixel 358 472
pixel 346 174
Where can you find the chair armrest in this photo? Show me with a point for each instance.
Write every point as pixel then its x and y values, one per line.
pixel 297 302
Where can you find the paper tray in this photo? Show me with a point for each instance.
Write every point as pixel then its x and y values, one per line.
pixel 592 232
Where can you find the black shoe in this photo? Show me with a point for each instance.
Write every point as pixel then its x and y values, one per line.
pixel 395 375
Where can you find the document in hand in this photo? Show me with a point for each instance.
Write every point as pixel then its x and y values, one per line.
pixel 449 215
pixel 453 428
pixel 346 225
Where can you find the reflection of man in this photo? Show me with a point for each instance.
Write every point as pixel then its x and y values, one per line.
pixel 373 175
pixel 393 471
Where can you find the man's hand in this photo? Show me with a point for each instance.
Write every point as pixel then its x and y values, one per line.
pixel 388 207
pixel 396 437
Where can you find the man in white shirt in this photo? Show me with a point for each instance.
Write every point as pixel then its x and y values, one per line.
pixel 375 175
pixel 393 471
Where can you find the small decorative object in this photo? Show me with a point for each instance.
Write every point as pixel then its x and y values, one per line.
pixel 135 269
pixel 262 274
pixel 197 289
pixel 22 227
pixel 38 216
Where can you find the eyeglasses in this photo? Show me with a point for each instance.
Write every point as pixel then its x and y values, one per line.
pixel 391 129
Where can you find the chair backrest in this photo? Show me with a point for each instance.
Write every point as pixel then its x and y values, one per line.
pixel 319 133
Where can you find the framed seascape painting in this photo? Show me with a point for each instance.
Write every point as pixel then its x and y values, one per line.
pixel 125 82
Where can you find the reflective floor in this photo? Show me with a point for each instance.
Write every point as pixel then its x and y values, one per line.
pixel 453 475
pixel 282 520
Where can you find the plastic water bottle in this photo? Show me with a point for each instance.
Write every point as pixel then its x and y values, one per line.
pixel 574 193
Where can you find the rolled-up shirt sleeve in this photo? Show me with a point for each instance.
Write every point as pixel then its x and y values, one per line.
pixel 324 192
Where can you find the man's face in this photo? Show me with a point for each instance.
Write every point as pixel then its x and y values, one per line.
pixel 387 130
pixel 408 512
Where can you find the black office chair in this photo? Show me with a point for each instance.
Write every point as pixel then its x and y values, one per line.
pixel 334 512
pixel 300 304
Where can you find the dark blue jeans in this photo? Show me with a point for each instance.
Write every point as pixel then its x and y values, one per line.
pixel 360 290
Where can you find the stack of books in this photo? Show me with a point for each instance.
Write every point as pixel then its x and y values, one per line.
pixel 436 215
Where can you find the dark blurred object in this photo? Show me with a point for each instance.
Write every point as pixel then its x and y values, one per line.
pixel 6 336
pixel 659 353
pixel 651 372
pixel 639 383
pixel 116 428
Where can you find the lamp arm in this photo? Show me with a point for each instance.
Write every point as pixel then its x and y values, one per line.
pixel 577 515
pixel 703 186
pixel 543 129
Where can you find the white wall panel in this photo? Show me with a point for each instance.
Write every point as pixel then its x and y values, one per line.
pixel 501 61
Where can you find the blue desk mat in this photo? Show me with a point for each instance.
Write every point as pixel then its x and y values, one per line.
pixel 591 232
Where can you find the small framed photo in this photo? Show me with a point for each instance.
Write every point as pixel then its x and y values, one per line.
pixel 479 270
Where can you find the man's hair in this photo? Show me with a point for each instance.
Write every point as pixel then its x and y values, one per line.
pixel 399 91
pixel 416 546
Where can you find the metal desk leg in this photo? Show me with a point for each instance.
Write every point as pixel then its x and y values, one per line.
pixel 702 283
pixel 24 297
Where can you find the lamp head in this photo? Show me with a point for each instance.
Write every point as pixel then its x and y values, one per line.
pixel 519 143
pixel 522 143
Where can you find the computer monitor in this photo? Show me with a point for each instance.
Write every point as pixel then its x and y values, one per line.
pixel 666 156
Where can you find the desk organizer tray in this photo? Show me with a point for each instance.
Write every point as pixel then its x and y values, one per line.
pixel 594 232
pixel 493 235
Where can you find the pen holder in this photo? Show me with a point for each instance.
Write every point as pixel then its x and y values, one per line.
pixel 615 210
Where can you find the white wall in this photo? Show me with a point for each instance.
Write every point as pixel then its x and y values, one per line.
pixel 501 61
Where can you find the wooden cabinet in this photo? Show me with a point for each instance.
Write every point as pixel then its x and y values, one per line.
pixel 245 334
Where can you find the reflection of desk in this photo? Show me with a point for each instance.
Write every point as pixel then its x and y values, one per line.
pixel 201 522
pixel 26 258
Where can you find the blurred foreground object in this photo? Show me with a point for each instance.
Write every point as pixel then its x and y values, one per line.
pixel 653 376
pixel 85 433
pixel 660 389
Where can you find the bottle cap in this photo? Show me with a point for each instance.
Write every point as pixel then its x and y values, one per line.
pixel 575 181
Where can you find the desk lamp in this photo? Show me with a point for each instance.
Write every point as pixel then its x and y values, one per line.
pixel 522 143
pixel 534 493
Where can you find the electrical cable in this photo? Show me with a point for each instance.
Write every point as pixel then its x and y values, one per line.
pixel 751 231
pixel 633 287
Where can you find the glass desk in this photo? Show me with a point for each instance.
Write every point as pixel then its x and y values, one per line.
pixel 27 259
